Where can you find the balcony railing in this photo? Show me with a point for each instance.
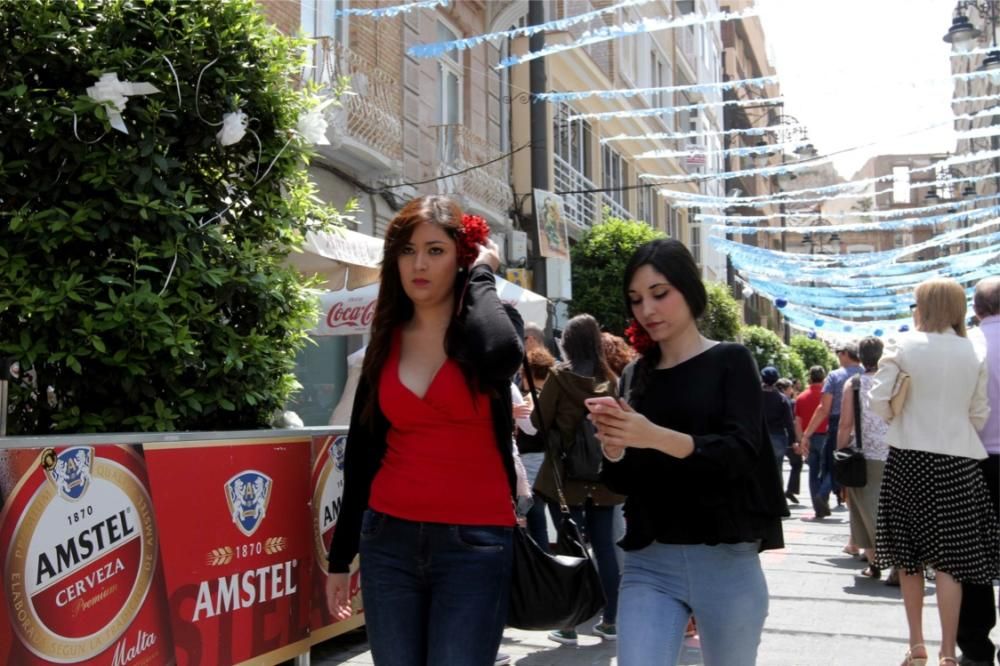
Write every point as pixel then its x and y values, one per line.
pixel 583 210
pixel 374 112
pixel 616 209
pixel 489 183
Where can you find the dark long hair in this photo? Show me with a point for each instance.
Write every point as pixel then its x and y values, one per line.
pixel 394 307
pixel 674 261
pixel 581 343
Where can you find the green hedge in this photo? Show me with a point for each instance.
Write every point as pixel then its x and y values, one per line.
pixel 143 283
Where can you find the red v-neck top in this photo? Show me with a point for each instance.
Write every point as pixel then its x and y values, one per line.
pixel 442 464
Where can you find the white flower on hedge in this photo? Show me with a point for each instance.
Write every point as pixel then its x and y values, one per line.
pixel 234 126
pixel 312 124
pixel 114 95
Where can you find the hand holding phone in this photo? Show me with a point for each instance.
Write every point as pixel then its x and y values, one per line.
pixel 606 402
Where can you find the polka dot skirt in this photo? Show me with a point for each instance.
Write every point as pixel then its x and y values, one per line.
pixel 935 510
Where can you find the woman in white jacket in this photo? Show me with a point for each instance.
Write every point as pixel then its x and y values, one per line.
pixel 934 509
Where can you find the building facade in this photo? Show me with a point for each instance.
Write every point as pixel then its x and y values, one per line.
pixel 457 125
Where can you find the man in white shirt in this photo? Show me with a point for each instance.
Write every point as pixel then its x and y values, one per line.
pixel 978 614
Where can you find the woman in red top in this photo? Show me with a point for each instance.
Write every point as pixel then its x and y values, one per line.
pixel 429 473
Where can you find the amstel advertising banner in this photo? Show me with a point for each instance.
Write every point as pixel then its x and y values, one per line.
pixel 235 526
pixel 328 490
pixel 82 572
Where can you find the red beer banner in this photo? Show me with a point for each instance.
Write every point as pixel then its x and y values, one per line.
pixel 328 489
pixel 235 523
pixel 82 574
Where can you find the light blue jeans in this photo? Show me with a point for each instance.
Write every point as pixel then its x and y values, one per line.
pixel 663 584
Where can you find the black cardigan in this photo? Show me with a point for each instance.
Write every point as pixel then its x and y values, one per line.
pixel 728 490
pixel 492 344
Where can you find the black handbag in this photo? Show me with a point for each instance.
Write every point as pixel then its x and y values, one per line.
pixel 553 591
pixel 849 464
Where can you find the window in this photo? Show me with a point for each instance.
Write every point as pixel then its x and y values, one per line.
pixel 647 206
pixel 901 185
pixel 505 97
pixel 629 57
pixel 696 242
pixel 340 32
pixel 573 140
pixel 672 224
pixel 615 174
pixel 319 19
pixel 450 80
pixel 659 75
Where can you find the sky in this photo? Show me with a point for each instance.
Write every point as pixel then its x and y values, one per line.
pixel 862 71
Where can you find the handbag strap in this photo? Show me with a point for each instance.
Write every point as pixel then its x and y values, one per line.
pixel 563 507
pixel 856 386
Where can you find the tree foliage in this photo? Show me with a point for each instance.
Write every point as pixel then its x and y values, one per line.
pixel 598 265
pixel 722 320
pixel 768 349
pixel 142 276
pixel 813 352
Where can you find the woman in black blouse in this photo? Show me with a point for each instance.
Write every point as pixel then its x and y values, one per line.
pixel 689 447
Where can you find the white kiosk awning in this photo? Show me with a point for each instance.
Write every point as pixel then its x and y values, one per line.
pixel 349 262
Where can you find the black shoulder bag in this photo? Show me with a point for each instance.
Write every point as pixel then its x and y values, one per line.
pixel 553 591
pixel 849 464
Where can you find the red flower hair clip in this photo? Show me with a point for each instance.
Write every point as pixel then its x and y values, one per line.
pixel 473 233
pixel 638 337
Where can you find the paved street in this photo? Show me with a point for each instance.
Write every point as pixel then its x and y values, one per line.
pixel 822 612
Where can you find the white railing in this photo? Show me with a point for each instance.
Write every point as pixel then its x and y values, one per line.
pixel 374 111
pixel 616 209
pixel 489 183
pixel 583 210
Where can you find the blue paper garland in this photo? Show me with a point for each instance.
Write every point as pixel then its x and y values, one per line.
pixel 670 110
pixel 634 92
pixel 436 49
pixel 646 25
pixel 389 12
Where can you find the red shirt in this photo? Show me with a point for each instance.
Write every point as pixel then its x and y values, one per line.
pixel 442 464
pixel 805 406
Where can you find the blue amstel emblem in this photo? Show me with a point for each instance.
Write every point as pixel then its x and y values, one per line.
pixel 336 452
pixel 71 473
pixel 248 494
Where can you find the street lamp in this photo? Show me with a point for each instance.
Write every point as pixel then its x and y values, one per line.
pixel 807 239
pixel 961 35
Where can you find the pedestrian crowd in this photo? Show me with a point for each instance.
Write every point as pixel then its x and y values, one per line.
pixel 666 450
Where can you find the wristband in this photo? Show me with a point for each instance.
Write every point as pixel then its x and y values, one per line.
pixel 604 452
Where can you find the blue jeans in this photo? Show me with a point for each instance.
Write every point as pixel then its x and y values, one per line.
pixel 538 526
pixel 663 584
pixel 833 423
pixel 434 593
pixel 779 441
pixel 819 472
pixel 598 526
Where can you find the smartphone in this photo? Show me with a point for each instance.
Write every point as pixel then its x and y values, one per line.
pixel 604 401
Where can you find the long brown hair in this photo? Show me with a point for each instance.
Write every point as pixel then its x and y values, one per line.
pixel 581 345
pixel 394 307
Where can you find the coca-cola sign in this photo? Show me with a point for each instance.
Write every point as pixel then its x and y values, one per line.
pixel 347 312
pixel 343 314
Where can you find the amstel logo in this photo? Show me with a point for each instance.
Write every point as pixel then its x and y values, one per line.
pixel 328 489
pixel 82 554
pixel 248 494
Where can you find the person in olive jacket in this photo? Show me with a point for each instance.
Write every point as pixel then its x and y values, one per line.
pixel 586 374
